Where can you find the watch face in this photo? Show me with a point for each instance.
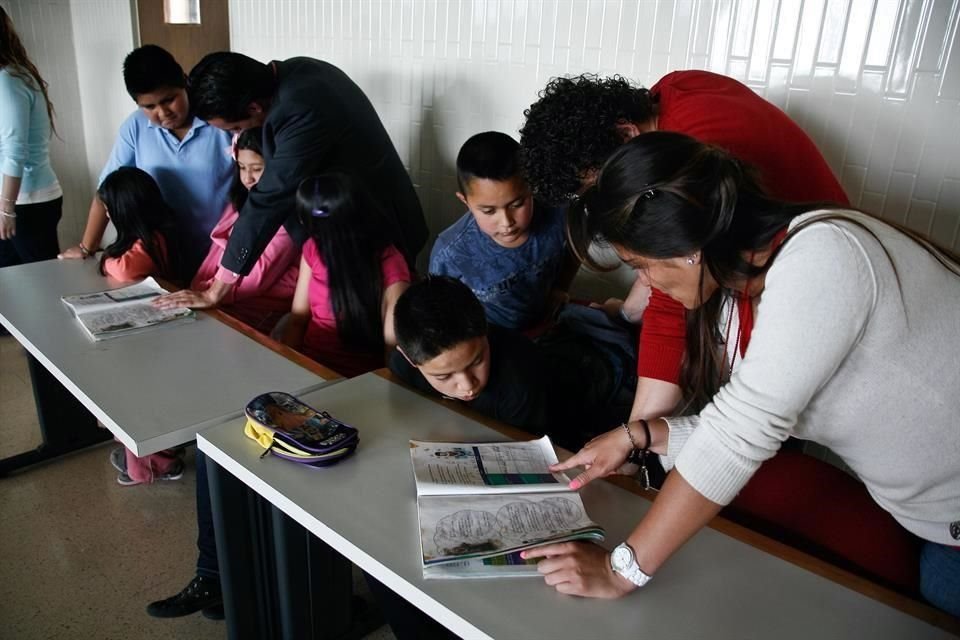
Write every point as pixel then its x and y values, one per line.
pixel 621 558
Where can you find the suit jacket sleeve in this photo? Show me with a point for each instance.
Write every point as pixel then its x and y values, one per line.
pixel 302 144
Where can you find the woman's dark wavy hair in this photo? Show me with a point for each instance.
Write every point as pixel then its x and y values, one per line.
pixel 14 58
pixel 666 195
pixel 139 212
pixel 351 233
pixel 248 140
pixel 572 129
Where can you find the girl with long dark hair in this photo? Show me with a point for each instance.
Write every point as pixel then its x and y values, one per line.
pixel 148 244
pixel 264 295
pixel 31 200
pixel 148 240
pixel 824 324
pixel 351 275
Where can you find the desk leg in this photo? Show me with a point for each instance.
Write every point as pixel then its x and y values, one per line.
pixel 65 424
pixel 241 523
pixel 315 587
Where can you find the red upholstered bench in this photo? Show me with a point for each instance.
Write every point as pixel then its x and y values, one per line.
pixel 814 506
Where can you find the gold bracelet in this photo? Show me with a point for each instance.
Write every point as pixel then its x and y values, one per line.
pixel 84 251
pixel 633 443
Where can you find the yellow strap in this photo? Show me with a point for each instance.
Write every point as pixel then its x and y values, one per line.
pixel 259 433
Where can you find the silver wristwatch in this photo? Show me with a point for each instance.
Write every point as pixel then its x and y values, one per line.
pixel 624 562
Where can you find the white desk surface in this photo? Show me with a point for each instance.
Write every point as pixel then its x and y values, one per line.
pixel 365 508
pixel 152 390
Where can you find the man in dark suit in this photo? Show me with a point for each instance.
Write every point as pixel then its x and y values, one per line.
pixel 315 119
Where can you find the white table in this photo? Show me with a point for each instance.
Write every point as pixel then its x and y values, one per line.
pixel 365 509
pixel 152 390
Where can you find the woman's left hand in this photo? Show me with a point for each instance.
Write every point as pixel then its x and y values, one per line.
pixel 8 227
pixel 186 298
pixel 579 569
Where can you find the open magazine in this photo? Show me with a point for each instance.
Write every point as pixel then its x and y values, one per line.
pixel 117 312
pixel 479 505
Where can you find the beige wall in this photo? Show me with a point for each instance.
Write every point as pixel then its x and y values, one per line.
pixel 876 83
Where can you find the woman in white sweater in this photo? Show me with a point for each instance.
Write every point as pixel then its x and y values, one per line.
pixel 826 325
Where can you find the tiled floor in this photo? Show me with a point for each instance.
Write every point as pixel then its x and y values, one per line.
pixel 80 555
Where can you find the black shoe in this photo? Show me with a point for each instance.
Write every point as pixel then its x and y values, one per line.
pixel 213 613
pixel 199 594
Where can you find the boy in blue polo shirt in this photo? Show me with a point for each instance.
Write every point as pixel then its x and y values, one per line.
pixel 509 251
pixel 189 159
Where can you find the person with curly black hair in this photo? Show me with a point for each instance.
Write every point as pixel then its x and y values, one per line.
pixel 578 122
pixel 575 126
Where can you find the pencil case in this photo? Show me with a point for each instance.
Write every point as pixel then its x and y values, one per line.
pixel 290 429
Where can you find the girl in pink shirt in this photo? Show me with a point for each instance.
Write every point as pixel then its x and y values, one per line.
pixel 147 241
pixel 351 275
pixel 147 244
pixel 263 296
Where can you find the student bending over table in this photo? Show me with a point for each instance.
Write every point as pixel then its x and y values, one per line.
pixel 148 240
pixel 189 159
pixel 351 275
pixel 264 295
pixel 148 243
pixel 315 120
pixel 824 324
pixel 576 124
pixel 445 347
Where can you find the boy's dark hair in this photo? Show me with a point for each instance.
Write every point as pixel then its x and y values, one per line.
pixel 436 314
pixel 252 140
pixel 572 129
pixel 491 155
pixel 223 84
pixel 139 212
pixel 150 68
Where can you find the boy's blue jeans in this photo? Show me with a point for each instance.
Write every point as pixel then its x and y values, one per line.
pixel 940 576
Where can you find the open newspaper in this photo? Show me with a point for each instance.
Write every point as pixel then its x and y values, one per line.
pixel 479 505
pixel 117 312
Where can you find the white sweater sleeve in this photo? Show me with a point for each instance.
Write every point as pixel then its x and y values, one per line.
pixel 818 297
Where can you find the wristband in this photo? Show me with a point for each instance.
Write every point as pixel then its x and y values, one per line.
pixel 638 455
pixel 633 443
pixel 624 316
pixel 8 214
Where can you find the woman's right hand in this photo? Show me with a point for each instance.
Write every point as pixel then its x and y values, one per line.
pixel 603 456
pixel 72 253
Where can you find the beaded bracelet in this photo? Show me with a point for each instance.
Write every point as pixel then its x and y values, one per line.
pixel 638 455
